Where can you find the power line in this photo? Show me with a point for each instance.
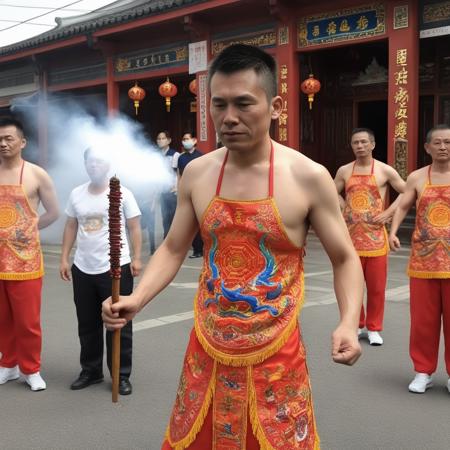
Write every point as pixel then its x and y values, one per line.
pixel 41 7
pixel 19 22
pixel 41 15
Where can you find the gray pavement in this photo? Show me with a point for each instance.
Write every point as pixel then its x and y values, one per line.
pixel 365 407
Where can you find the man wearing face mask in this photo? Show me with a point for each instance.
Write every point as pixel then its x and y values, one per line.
pixel 190 153
pixel 87 224
pixel 168 197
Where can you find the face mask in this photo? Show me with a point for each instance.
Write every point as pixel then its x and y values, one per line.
pixel 188 145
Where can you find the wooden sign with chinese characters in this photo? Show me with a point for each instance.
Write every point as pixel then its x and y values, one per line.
pixel 346 24
pixel 148 60
pixel 283 119
pixel 401 100
pixel 262 38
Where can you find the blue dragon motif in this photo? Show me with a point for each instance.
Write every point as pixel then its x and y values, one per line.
pixel 263 279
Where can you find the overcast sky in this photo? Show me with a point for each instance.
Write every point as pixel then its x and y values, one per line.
pixel 23 19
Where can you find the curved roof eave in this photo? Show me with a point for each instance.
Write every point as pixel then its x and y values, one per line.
pixel 121 11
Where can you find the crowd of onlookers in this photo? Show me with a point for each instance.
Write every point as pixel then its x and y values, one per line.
pixel 167 198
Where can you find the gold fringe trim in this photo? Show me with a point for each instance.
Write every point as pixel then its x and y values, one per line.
pixel 428 275
pixel 22 276
pixel 380 252
pixel 259 356
pixel 257 428
pixel 197 426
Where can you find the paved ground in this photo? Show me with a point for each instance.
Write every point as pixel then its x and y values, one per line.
pixel 366 407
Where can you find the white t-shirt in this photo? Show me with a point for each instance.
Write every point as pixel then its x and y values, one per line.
pixel 91 212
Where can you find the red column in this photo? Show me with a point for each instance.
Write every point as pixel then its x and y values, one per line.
pixel 287 129
pixel 112 88
pixel 43 120
pixel 403 98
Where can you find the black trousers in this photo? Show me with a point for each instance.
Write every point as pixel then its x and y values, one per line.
pixel 148 222
pixel 89 291
pixel 168 206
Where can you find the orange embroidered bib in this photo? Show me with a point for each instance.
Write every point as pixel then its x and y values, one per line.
pixel 246 357
pixel 20 250
pixel 430 244
pixel 362 203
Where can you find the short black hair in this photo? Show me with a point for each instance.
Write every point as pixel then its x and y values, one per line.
pixel 441 126
pixel 8 121
pixel 167 134
pixel 190 134
pixel 364 130
pixel 239 57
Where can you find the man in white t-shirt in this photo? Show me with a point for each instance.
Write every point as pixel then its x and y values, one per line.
pixel 87 224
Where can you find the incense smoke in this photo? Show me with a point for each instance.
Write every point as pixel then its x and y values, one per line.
pixel 72 129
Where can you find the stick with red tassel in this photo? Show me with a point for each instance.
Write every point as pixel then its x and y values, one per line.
pixel 114 258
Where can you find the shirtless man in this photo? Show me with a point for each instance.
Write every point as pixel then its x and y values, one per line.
pixel 254 201
pixel 429 264
pixel 366 183
pixel 23 186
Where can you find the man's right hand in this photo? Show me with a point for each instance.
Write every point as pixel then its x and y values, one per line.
pixel 394 242
pixel 116 315
pixel 64 271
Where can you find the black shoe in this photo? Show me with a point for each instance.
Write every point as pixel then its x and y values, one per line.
pixel 85 380
pixel 195 255
pixel 125 387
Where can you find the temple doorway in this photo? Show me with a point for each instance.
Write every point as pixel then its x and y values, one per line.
pixel 354 93
pixel 373 115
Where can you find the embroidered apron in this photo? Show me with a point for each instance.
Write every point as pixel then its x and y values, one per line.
pixel 430 244
pixel 362 203
pixel 246 356
pixel 20 250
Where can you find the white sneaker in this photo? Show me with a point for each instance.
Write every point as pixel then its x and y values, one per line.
pixel 421 382
pixel 35 381
pixel 374 338
pixel 448 385
pixel 8 374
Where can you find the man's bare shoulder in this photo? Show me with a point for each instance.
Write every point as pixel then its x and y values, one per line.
pixel 201 167
pixel 303 168
pixel 345 170
pixel 37 171
pixel 418 176
pixel 384 167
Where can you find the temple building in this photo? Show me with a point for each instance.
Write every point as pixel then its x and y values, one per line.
pixel 380 64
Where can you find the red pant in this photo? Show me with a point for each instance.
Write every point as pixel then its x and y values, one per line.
pixel 204 439
pixel 429 305
pixel 20 327
pixel 375 274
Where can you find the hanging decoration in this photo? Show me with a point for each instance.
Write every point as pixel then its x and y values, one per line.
pixel 137 94
pixel 193 90
pixel 193 86
pixel 167 90
pixel 310 86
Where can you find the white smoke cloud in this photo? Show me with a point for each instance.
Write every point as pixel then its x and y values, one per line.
pixel 135 160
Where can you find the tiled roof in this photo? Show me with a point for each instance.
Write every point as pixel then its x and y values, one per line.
pixel 121 11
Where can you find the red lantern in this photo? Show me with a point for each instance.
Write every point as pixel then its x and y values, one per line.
pixel 136 94
pixel 310 87
pixel 193 86
pixel 168 90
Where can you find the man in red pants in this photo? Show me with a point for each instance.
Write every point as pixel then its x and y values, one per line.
pixel 244 382
pixel 22 187
pixel 429 264
pixel 366 183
